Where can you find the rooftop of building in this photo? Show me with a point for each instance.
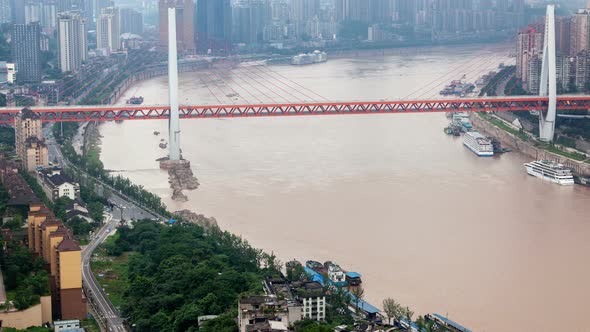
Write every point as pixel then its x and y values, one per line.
pixel 68 244
pixel 77 213
pixel 256 299
pixel 43 211
pixel 18 189
pixel 61 231
pixel 57 180
pixel 27 113
pixel 51 221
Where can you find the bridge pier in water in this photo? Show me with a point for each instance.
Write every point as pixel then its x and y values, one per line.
pixel 548 79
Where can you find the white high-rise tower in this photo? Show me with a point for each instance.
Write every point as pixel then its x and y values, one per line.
pixel 549 79
pixel 174 124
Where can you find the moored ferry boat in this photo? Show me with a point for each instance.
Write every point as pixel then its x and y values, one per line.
pixel 550 171
pixel 477 143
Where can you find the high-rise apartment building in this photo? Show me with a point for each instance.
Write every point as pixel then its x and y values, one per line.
pixel 529 44
pixel 532 82
pixel 564 72
pixel 71 33
pixel 580 32
pixel 405 10
pixel 108 30
pixel 371 11
pixel 48 14
pixel 563 30
pixel 92 8
pixel 5 12
pixel 185 23
pixel 214 23
pixel 249 20
pixel 18 11
pixel 72 5
pixel 32 11
pixel 359 10
pixel 30 147
pixel 27 52
pixel 305 10
pixel 131 21
pixel 582 70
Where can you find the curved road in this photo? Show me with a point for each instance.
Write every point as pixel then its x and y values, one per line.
pixel 94 291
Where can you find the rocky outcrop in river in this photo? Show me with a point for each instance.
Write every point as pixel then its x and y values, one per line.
pixel 180 177
pixel 198 219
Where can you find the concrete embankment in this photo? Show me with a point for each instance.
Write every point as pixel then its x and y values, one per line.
pixel 526 148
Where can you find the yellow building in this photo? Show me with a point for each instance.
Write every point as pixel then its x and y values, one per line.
pixel 69 280
pixel 36 154
pixel 54 242
pixel 30 146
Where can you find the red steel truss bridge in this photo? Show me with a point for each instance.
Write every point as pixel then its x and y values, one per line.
pixel 153 112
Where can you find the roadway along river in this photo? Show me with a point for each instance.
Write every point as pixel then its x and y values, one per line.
pixel 423 219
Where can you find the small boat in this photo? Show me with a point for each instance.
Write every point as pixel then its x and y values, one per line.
pixel 335 273
pixel 316 266
pixel 135 100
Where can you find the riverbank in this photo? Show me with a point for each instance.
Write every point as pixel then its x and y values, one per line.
pixel 523 143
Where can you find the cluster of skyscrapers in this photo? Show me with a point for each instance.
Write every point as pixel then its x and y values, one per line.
pixel 204 25
pixel 36 22
pixel 219 23
pixel 573 53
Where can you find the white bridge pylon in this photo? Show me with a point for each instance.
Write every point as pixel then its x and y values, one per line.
pixel 174 122
pixel 548 79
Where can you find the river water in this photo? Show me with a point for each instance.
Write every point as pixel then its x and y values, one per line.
pixel 422 218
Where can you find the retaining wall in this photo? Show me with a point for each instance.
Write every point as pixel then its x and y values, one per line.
pixel 526 148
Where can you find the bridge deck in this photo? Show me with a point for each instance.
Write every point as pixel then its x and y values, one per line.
pixel 150 112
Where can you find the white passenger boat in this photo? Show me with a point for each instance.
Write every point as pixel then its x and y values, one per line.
pixel 550 171
pixel 477 143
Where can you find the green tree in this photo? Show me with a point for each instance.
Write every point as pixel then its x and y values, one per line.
pixel 187 317
pixel 5 51
pixel 308 325
pixel 6 133
pixel 179 272
pixel 358 293
pixel 38 282
pixel 15 223
pixel 294 271
pixel 408 314
pixel 60 205
pixel 25 297
pixel 79 226
pixel 2 100
pixel 393 309
pixel 96 211
pixel 223 323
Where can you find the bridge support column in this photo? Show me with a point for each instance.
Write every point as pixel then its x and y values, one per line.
pixel 174 122
pixel 549 79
